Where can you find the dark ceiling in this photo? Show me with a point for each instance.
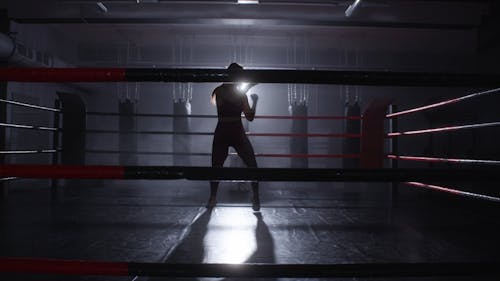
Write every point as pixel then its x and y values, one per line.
pixel 376 13
pixel 386 25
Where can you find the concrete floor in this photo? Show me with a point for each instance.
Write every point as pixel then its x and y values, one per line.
pixel 165 221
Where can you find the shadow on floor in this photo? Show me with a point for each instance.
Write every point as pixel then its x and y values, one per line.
pixel 192 246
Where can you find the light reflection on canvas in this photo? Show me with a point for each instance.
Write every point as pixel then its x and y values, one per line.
pixel 230 237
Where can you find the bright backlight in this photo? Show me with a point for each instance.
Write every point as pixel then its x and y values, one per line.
pixel 230 237
pixel 248 1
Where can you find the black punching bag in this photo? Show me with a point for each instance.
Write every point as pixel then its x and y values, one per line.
pixel 299 145
pixel 127 141
pixel 181 143
pixel 352 126
pixel 74 125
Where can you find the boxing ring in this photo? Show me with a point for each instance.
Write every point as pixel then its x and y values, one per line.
pixel 452 161
pixel 54 130
pixel 355 233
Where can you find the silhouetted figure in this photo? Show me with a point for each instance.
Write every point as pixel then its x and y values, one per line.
pixel 231 101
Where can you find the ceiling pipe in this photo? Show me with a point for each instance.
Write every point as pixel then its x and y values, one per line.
pixel 350 10
pixel 102 7
pixel 7 47
pixel 10 54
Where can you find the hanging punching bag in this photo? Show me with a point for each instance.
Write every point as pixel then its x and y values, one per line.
pixel 352 126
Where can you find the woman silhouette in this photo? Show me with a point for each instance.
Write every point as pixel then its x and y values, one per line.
pixel 231 101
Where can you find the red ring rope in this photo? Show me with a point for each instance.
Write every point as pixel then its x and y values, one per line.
pixel 311 135
pixel 277 155
pixel 434 105
pixel 304 135
pixel 11 102
pixel 443 129
pixel 307 155
pixel 454 191
pixel 309 117
pixel 285 117
pixel 443 160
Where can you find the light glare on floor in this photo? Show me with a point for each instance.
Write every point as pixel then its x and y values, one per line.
pixel 230 237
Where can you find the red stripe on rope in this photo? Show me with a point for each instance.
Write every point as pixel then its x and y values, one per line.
pixel 63 74
pixel 304 135
pixel 422 108
pixel 454 191
pixel 69 267
pixel 309 117
pixel 308 155
pixel 92 113
pixel 445 160
pixel 231 153
pixel 62 171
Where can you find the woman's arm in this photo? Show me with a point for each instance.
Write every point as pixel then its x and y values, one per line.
pixel 247 110
pixel 213 99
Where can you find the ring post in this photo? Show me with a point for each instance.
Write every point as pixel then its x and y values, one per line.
pixel 373 135
pixel 4 27
pixel 55 145
pixel 393 127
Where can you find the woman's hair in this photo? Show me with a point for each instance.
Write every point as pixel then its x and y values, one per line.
pixel 234 66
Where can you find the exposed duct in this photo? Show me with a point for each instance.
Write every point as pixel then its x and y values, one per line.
pixel 350 10
pixel 7 47
pixel 16 53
